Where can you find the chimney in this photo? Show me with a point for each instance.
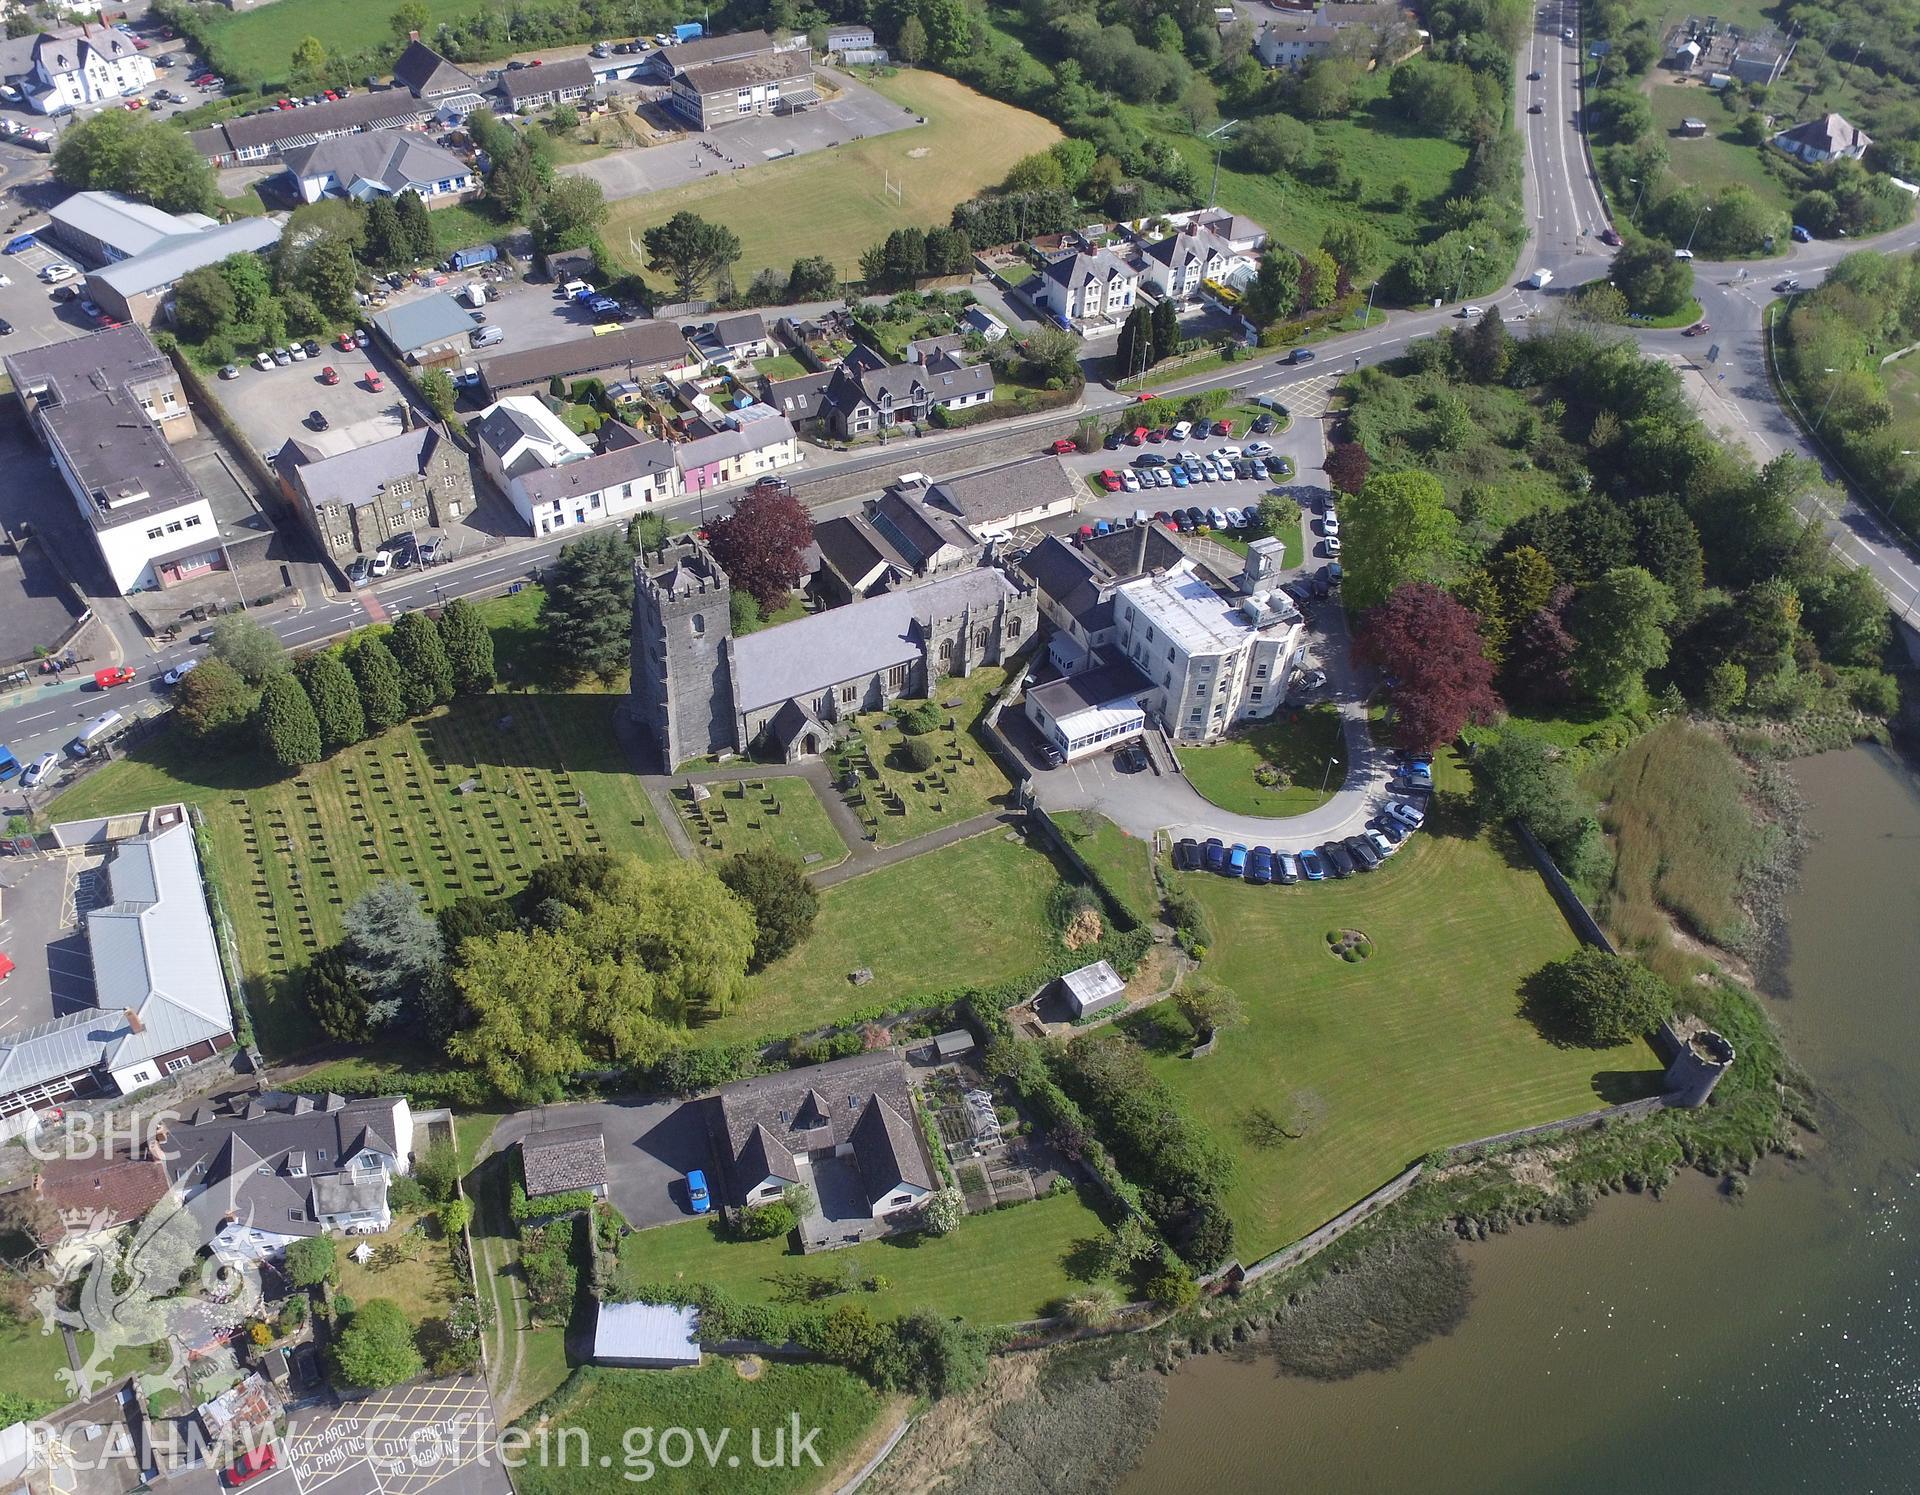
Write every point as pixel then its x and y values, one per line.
pixel 406 415
pixel 413 36
pixel 134 1025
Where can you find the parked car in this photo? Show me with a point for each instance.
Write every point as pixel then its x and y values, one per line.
pixel 1331 545
pixel 697 1195
pixel 359 572
pixel 1223 428
pixel 317 420
pixel 1180 430
pixel 1262 425
pixel 1382 843
pixel 1311 867
pixel 1405 813
pixel 1394 832
pixel 227 370
pixel 180 672
pixel 1186 854
pixel 1237 859
pixel 1260 865
pixel 1063 446
pixel 1286 867
pixel 1800 235
pixel 382 562
pixel 43 770
pixel 374 382
pixel 252 1464
pixel 282 357
pixel 1363 852
pixel 1256 449
pixel 1110 480
pixel 1216 854
pixel 57 272
pixel 329 375
pixel 1338 859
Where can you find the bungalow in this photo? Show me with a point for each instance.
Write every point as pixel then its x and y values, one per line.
pixel 635 351
pixel 260 137
pixel 1177 266
pixel 384 163
pixel 760 441
pixel 524 89
pixel 1088 286
pixel 430 331
pixel 737 339
pixel 1829 138
pixel 774 1131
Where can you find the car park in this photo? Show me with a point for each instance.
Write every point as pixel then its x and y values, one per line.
pixel 1362 852
pixel 1311 867
pixel 1216 854
pixel 180 672
pixel 1338 859
pixel 1405 813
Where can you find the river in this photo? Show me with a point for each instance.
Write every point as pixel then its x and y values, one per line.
pixel 1755 1344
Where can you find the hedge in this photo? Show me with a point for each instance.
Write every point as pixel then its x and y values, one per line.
pixel 548 1206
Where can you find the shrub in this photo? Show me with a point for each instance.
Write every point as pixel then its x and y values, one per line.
pixel 918 720
pixel 438 1171
pixel 1596 1000
pixel 762 1222
pixel 404 1194
pixel 455 1216
pixel 919 754
pixel 943 1211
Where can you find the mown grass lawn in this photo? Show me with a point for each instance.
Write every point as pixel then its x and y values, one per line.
pixel 461 225
pixel 1718 159
pixel 250 47
pixel 1377 1063
pixel 1298 741
pixel 974 912
pixel 31 1362
pixel 780 366
pixel 1001 1267
pixel 898 802
pixel 289 854
pixel 748 814
pixel 1124 861
pixel 609 1405
pixel 833 202
pixel 422 1281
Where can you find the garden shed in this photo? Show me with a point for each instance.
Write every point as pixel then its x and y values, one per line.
pixel 645 1336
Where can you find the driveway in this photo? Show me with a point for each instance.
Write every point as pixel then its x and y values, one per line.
pixel 651 1147
pixel 41 899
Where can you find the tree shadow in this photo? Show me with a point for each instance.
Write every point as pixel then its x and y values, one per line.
pixel 1538 1007
pixel 1085 1260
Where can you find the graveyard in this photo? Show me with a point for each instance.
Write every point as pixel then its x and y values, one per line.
pixel 727 817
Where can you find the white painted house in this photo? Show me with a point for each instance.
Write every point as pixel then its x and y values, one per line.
pixel 556 481
pixel 1177 266
pixel 75 65
pixel 1090 286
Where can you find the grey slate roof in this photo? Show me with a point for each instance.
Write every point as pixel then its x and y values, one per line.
pixel 704 49
pixel 419 324
pixel 918 532
pixel 1177 250
pixel 1075 270
pixel 1830 133
pixel 170 259
pixel 425 74
pixel 554 77
pixel 733 442
pixel 562 1159
pixel 904 383
pixel 356 476
pixel 887 1152
pixel 62 50
pixel 396 159
pixel 797 398
pixel 747 327
pixel 745 72
pixel 810 654
pixel 637 345
pixel 387 109
pixel 1071 579
pixel 996 493
pixel 503 428
pixel 851 547
pixel 622 464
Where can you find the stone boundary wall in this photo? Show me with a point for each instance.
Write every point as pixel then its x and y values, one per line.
pixel 1578 915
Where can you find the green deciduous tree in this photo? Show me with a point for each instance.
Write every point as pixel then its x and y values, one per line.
pixel 214 701
pixel 1274 143
pixel 1651 279
pixel 1620 632
pixel 571 214
pixel 309 62
pixel 438 390
pixel 1397 529
pixel 911 42
pixel 587 611
pixel 336 700
pixel 426 676
pixel 311 1260
pixel 417 224
pixel 289 731
pixel 248 647
pixel 469 648
pixel 376 1348
pixel 1846 613
pixel 378 676
pixel 119 151
pixel 1596 1000
pixel 775 889
pixel 1519 775
pixel 203 303
pixel 1275 292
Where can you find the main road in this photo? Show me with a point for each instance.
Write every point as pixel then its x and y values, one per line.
pixel 1566 214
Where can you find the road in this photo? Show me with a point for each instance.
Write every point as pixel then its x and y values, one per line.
pixel 1726 373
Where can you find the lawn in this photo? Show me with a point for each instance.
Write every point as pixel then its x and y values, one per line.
pixel 733 1415
pixel 1718 159
pixel 1298 742
pixel 1002 1267
pixel 780 366
pixel 974 912
pixel 420 1277
pixel 30 1365
pixel 1373 1064
pixel 250 47
pixel 833 202
pixel 748 814
pixel 289 854
pixel 524 1364
pixel 1901 380
pixel 1124 862
pixel 462 224
pixel 896 802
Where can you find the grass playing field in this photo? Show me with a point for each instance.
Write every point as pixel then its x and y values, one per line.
pixel 250 47
pixel 971 912
pixel 1371 1065
pixel 832 202
pixel 289 854
pixel 1001 1267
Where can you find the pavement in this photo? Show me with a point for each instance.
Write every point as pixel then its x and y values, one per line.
pixel 857 114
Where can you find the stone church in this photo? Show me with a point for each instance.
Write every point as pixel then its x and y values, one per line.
pixel 781 692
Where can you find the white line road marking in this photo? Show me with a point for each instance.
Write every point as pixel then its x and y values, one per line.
pixel 40 718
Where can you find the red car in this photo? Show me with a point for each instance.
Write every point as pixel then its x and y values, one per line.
pixel 1065 445
pixel 1136 436
pixel 331 96
pixel 1110 480
pixel 373 381
pixel 1158 433
pixel 329 375
pixel 1144 398
pixel 344 342
pixel 1608 236
pixel 1223 428
pixel 252 1465
pixel 136 103
pixel 113 675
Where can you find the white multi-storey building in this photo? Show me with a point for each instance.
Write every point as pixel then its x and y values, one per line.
pixel 77 65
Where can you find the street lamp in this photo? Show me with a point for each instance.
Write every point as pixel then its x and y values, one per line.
pixel 1326 773
pixel 1705 208
pixel 1832 390
pixel 1641 183
pixel 1218 134
pixel 1367 321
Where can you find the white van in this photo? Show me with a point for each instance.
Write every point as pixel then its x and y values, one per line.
pixel 57 272
pixel 573 288
pixel 486 337
pixel 1540 279
pixel 95 732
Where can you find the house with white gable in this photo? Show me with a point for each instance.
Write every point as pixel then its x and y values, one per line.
pixel 1177 266
pixel 69 66
pixel 1090 286
pixel 1828 138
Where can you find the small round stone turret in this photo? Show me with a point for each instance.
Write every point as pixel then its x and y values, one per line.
pixel 1704 1056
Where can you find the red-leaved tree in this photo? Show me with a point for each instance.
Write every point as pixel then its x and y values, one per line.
pixel 1347 466
pixel 760 543
pixel 1432 647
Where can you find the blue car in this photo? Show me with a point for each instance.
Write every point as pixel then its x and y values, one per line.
pixel 20 242
pixel 1801 236
pixel 1180 478
pixel 1260 865
pixel 697 1192
pixel 1216 851
pixel 1311 867
pixel 1237 860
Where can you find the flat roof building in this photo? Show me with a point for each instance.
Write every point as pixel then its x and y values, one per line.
pixel 646 1336
pixel 1092 988
pixel 140 288
pixel 1084 713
